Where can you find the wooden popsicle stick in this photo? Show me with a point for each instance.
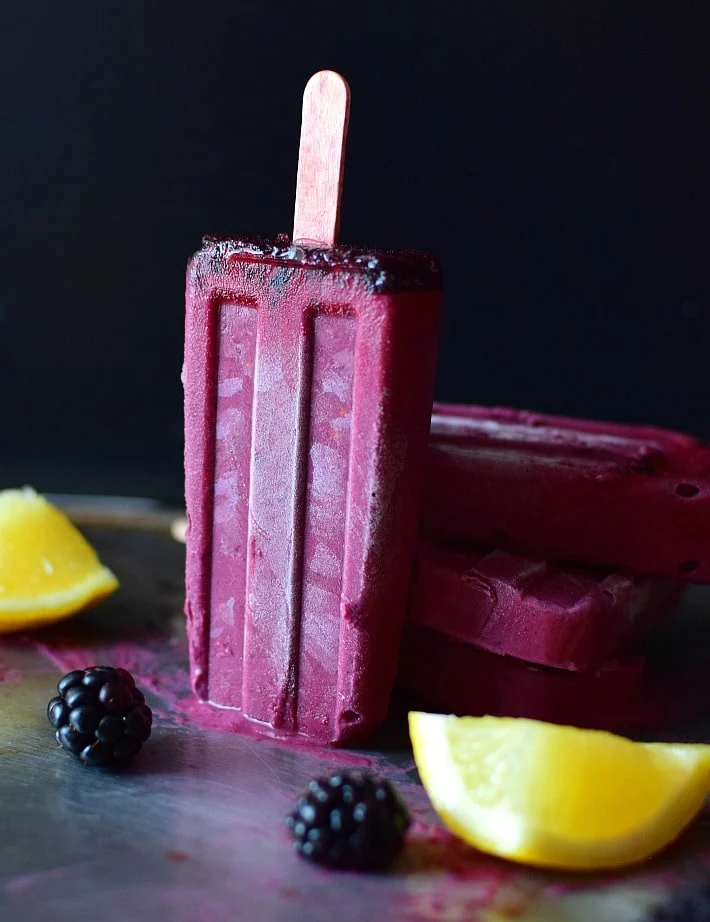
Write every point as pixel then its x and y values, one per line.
pixel 321 158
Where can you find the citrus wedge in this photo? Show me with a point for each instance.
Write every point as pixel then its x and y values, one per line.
pixel 48 570
pixel 554 796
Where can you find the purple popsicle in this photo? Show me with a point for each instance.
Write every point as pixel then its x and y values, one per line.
pixel 629 498
pixel 571 618
pixel 308 388
pixel 463 679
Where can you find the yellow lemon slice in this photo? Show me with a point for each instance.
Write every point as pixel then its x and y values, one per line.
pixel 48 570
pixel 554 796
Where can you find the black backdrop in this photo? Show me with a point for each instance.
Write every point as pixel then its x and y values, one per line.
pixel 554 155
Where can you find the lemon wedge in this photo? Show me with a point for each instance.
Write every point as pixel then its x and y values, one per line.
pixel 554 796
pixel 48 570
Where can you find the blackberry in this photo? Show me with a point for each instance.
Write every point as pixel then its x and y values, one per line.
pixel 351 820
pixel 100 716
pixel 690 903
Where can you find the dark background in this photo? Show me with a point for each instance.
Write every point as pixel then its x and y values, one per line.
pixel 554 155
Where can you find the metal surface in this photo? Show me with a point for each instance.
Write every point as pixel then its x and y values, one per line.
pixel 194 830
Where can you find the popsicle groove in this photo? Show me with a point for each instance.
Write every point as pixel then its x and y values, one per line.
pixel 332 334
pixel 235 328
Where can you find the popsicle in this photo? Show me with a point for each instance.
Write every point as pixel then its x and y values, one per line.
pixel 565 617
pixel 308 379
pixel 459 678
pixel 630 498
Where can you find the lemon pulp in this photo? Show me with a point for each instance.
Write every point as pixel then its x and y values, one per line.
pixel 557 796
pixel 48 570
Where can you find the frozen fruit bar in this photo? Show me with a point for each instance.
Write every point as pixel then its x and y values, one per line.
pixel 308 386
pixel 308 379
pixel 459 678
pixel 561 616
pixel 629 498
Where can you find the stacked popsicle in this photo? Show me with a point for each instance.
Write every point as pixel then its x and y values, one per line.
pixel 549 546
pixel 308 378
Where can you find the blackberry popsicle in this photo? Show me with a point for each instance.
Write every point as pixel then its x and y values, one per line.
pixel 540 611
pixel 630 498
pixel 308 377
pixel 460 678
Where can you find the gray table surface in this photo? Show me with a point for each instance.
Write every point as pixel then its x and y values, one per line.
pixel 194 830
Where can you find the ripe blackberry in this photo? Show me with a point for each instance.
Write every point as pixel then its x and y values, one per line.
pixel 351 820
pixel 687 904
pixel 100 716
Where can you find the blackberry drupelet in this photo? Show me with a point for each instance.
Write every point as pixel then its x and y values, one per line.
pixel 690 903
pixel 100 716
pixel 350 820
